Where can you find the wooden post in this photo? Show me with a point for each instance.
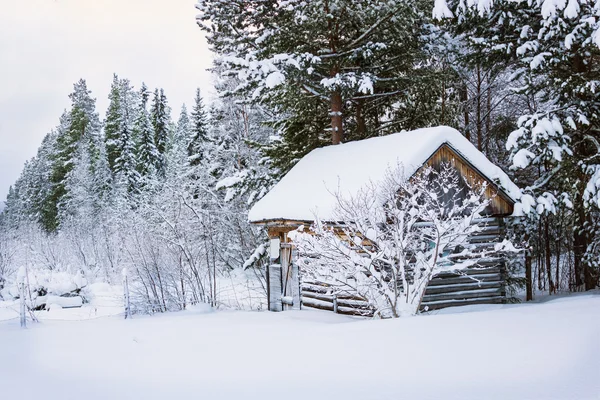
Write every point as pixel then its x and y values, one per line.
pixel 295 284
pixel 335 304
pixel 126 294
pixel 285 274
pixel 23 306
pixel 274 277
pixel 275 288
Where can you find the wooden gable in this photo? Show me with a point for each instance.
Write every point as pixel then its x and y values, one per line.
pixel 501 204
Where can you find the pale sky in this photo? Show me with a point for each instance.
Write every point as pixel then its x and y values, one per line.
pixel 47 45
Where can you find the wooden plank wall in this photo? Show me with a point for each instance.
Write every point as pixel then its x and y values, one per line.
pixel 483 284
pixel 500 203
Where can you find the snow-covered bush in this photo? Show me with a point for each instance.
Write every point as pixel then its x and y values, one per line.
pixel 7 252
pixel 394 236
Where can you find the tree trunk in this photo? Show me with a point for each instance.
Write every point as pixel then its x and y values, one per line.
pixel 558 254
pixel 479 99
pixel 579 237
pixel 443 110
pixel 488 117
pixel 548 255
pixel 584 274
pixel 361 126
pixel 539 266
pixel 464 95
pixel 337 130
pixel 528 272
pixel 528 276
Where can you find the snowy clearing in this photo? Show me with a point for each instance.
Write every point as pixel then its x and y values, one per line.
pixel 530 351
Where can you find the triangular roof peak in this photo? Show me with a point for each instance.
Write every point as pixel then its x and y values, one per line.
pixel 308 188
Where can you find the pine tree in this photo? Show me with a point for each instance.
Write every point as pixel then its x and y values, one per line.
pixel 198 130
pixel 125 163
pixel 331 71
pixel 79 126
pixel 113 122
pixel 147 154
pixel 160 121
pixel 177 160
pixel 182 131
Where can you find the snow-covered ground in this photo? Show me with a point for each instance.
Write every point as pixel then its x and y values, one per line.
pixel 548 350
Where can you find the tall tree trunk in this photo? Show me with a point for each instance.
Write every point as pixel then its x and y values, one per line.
pixel 361 126
pixel 584 274
pixel 464 96
pixel 548 255
pixel 528 272
pixel 443 111
pixel 539 264
pixel 528 276
pixel 558 254
pixel 479 99
pixel 337 130
pixel 488 116
pixel 579 236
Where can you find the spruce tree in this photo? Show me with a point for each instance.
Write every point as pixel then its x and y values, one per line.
pixel 112 124
pixel 125 163
pixel 330 71
pixel 147 156
pixel 182 131
pixel 79 126
pixel 198 130
pixel 160 122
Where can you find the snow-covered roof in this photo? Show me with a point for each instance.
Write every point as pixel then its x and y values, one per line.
pixel 309 189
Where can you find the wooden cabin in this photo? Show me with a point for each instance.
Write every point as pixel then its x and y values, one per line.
pixel 309 190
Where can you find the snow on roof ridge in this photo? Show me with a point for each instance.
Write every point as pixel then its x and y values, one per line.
pixel 305 191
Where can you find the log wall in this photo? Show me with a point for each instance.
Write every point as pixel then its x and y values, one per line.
pixel 484 283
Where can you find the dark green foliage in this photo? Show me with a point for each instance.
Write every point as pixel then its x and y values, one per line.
pixel 160 121
pixel 199 131
pixel 113 122
pixel 147 154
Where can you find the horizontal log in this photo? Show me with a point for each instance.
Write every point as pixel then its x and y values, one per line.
pixel 359 305
pixel 460 280
pixel 345 294
pixel 478 221
pixel 488 258
pixel 315 288
pixel 466 302
pixel 490 230
pixel 321 305
pixel 483 246
pixel 485 239
pixel 329 297
pixel 316 283
pixel 467 294
pixel 355 312
pixel 468 272
pixel 442 289
pixel 317 296
pixel 489 220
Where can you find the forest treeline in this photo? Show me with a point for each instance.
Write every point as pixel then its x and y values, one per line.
pixel 168 200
